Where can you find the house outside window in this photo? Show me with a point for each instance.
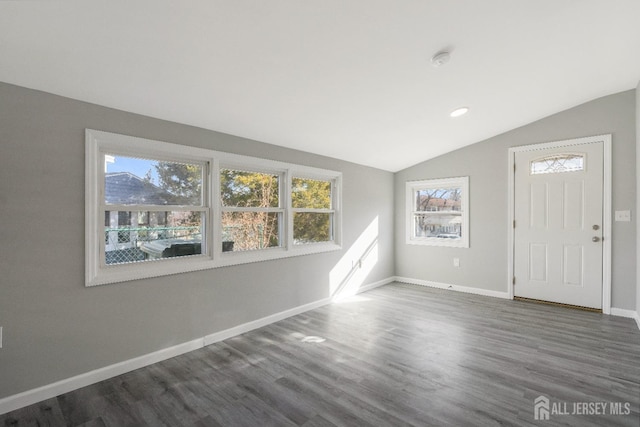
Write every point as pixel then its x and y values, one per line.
pixel 437 212
pixel 137 209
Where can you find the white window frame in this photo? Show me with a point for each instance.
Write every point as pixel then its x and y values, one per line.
pixel 279 210
pixel 97 143
pixel 332 209
pixel 411 212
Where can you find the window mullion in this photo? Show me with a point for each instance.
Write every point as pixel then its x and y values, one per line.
pixel 313 210
pixel 152 208
pixel 251 209
pixel 216 231
pixel 284 198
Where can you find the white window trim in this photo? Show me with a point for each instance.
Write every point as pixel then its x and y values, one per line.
pixel 335 186
pixel 412 186
pixel 97 142
pixel 282 178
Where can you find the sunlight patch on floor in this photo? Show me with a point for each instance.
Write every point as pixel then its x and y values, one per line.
pixel 353 268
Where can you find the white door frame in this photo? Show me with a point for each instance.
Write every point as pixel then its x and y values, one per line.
pixel 606 208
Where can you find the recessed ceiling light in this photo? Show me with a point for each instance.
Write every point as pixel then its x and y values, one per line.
pixel 459 112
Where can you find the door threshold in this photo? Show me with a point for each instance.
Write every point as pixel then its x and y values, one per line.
pixel 559 304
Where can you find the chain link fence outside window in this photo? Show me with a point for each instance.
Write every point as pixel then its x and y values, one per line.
pixel 123 244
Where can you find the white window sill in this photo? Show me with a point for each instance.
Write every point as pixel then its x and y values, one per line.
pixel 162 267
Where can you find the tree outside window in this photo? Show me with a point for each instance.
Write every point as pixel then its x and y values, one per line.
pixel 251 211
pixel 312 206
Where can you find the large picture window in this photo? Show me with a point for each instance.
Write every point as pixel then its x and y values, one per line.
pixel 155 208
pixel 437 212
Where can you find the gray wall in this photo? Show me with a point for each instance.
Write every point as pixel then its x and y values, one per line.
pixel 54 327
pixel 484 264
pixel 637 212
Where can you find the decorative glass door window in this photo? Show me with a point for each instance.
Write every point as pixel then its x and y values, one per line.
pixel 438 213
pixel 558 163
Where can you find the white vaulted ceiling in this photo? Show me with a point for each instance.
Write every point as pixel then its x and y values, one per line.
pixel 350 79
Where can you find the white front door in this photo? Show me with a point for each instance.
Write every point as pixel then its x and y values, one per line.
pixel 558 224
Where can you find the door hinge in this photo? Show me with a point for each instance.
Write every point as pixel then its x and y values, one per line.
pixel 514 223
pixel 514 167
pixel 514 280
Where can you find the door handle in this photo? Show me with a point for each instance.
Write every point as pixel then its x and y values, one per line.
pixel 595 239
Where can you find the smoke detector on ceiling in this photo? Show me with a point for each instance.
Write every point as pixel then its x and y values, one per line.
pixel 440 58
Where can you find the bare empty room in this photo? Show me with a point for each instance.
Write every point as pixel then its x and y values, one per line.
pixel 286 213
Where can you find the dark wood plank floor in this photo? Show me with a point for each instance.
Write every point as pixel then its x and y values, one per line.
pixel 398 355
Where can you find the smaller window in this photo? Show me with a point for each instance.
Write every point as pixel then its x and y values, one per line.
pixel 438 212
pixel 558 163
pixel 252 217
pixel 313 216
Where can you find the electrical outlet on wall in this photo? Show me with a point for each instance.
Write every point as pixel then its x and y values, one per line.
pixel 456 262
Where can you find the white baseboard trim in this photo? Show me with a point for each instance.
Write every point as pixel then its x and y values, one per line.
pixel 505 295
pixel 623 312
pixel 259 323
pixel 626 313
pixel 255 324
pixel 48 391
pixel 465 289
pixel 374 285
pixel 29 397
